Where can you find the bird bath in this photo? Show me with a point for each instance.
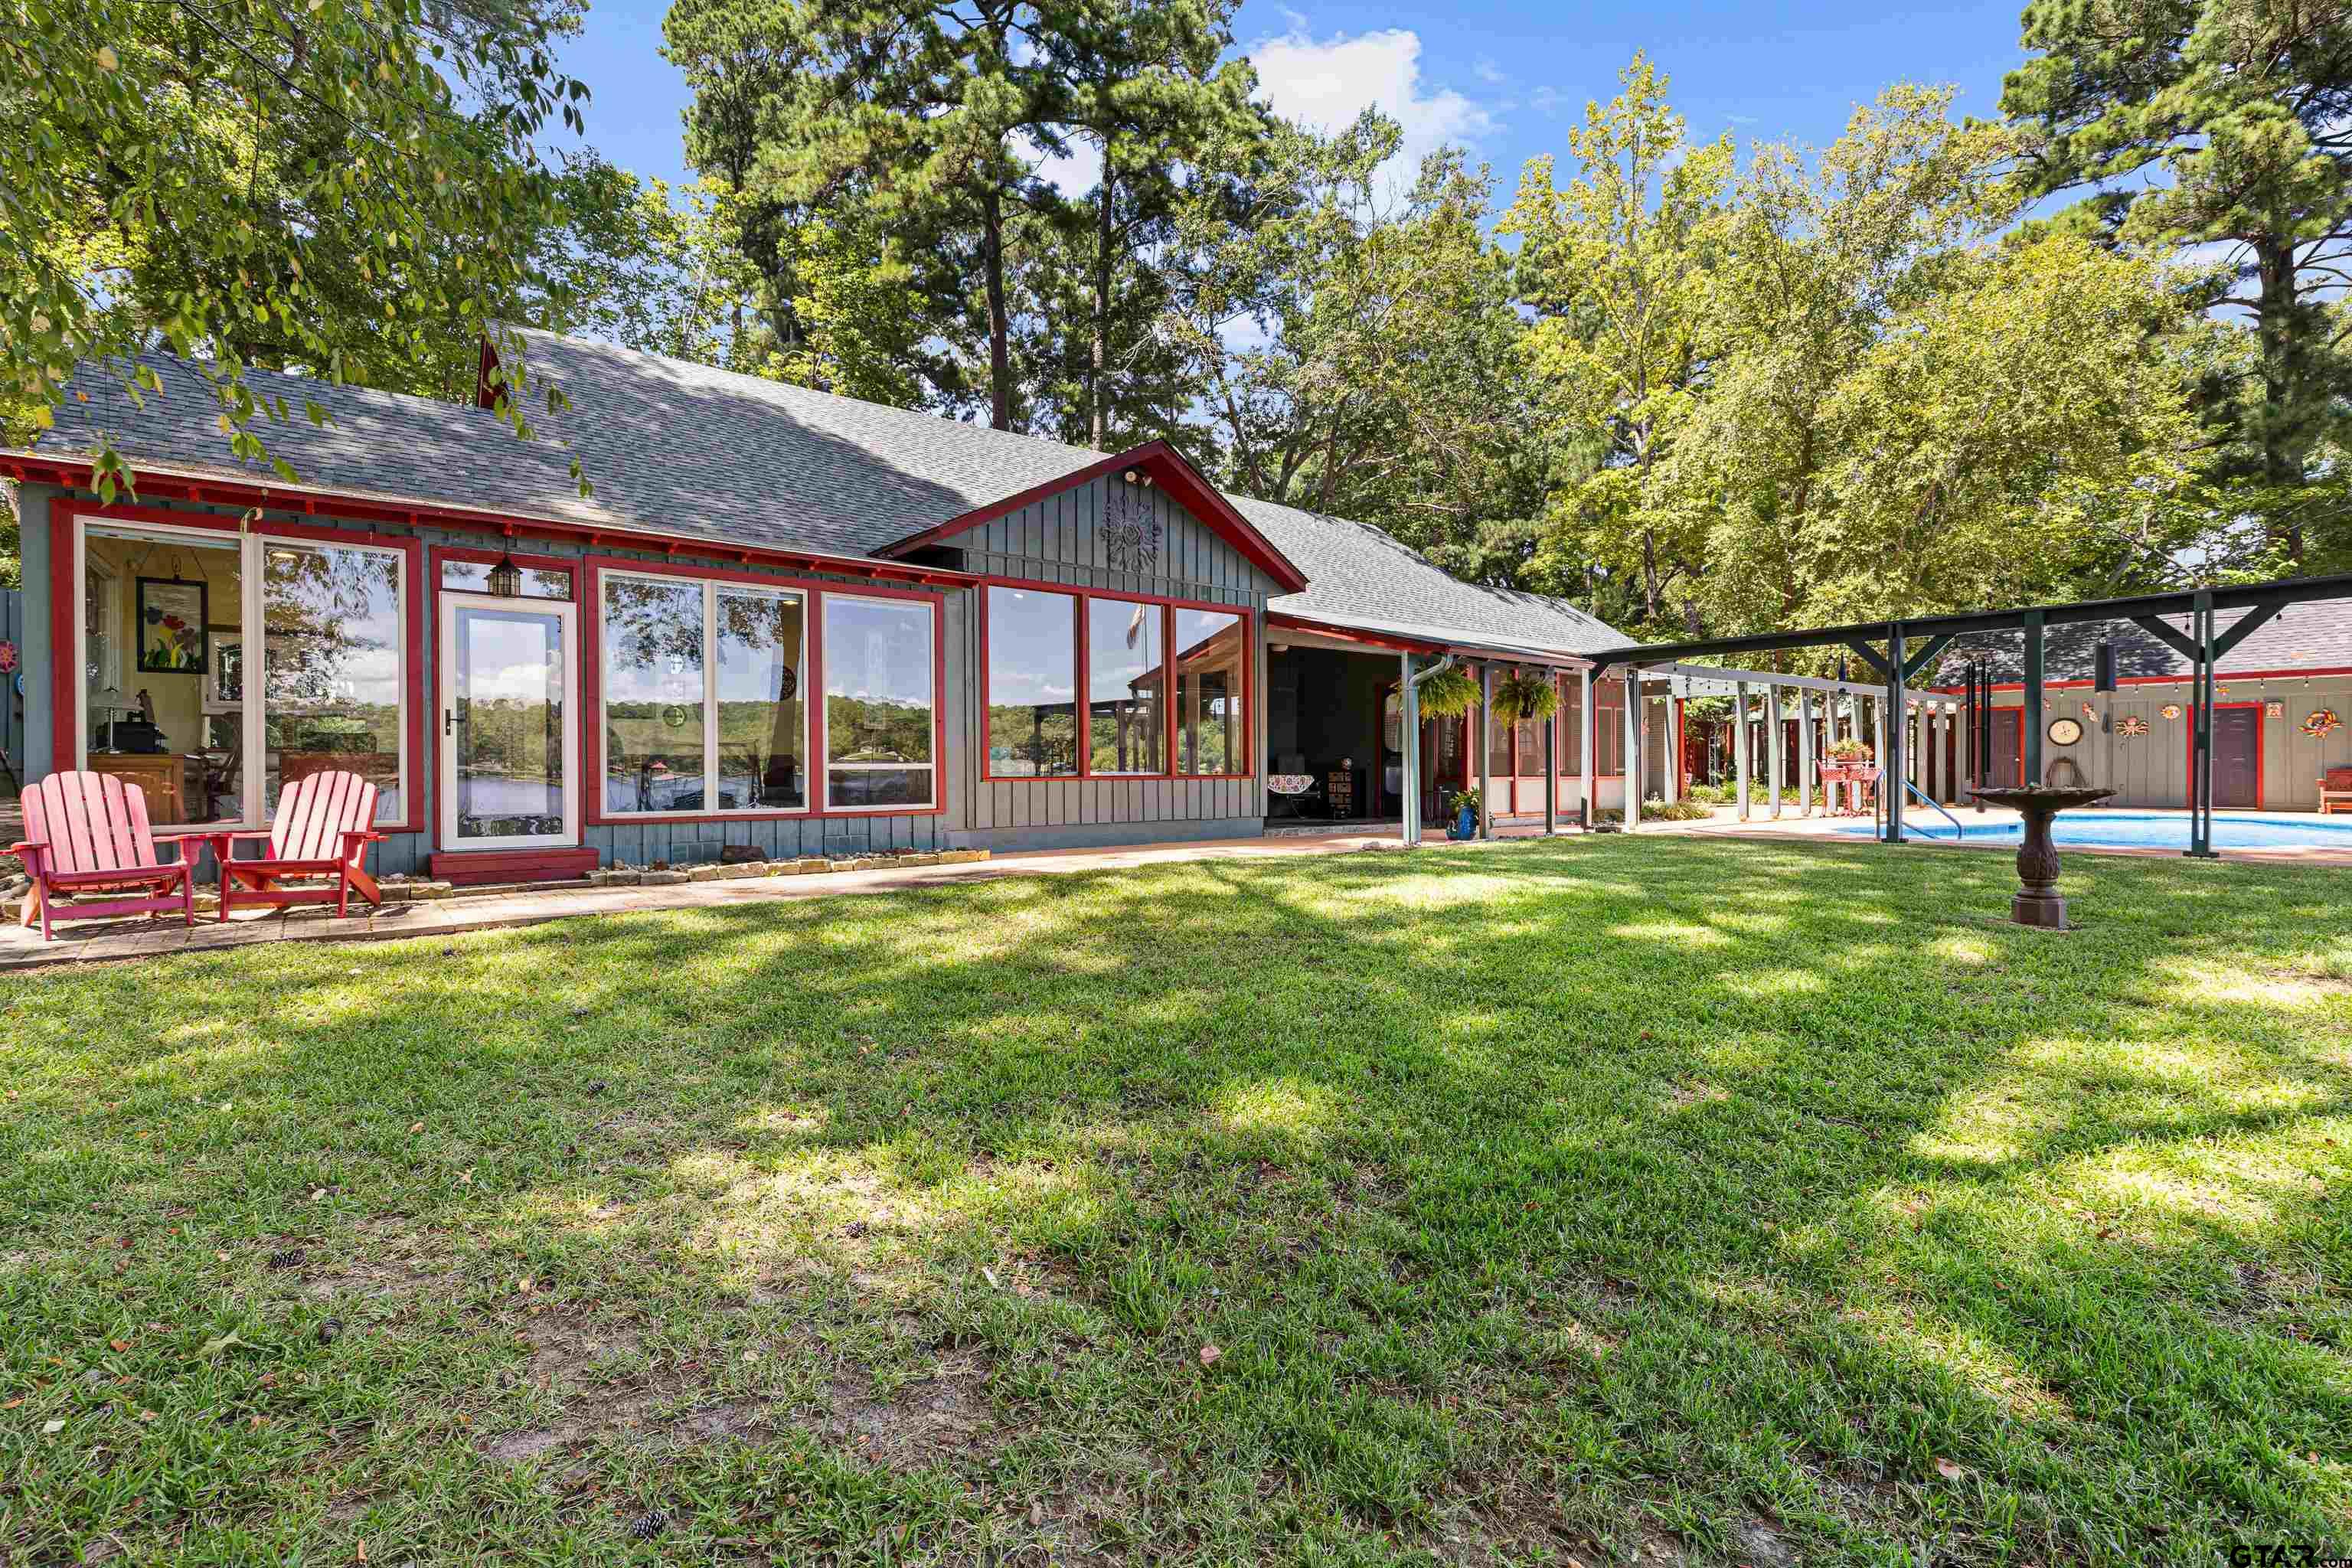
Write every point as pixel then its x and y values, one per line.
pixel 2037 902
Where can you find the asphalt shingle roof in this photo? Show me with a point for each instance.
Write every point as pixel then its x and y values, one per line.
pixel 2316 636
pixel 682 448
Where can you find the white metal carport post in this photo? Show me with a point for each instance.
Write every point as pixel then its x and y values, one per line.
pixel 1486 749
pixel 1805 750
pixel 1408 750
pixel 1772 745
pixel 1740 742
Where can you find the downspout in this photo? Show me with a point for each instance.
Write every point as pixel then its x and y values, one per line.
pixel 1412 739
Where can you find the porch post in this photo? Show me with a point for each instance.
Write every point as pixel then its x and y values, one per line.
pixel 2200 733
pixel 1739 743
pixel 1409 749
pixel 1772 747
pixel 1551 764
pixel 1588 726
pixel 1632 763
pixel 2033 700
pixel 1486 747
pixel 1804 751
pixel 1897 770
pixel 1672 773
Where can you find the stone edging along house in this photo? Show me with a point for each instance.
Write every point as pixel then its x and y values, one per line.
pixel 783 620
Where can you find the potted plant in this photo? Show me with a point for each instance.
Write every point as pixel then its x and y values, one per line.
pixel 1520 696
pixel 1447 694
pixel 1466 807
pixel 1848 752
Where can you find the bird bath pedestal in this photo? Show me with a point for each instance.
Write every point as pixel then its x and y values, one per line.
pixel 2037 902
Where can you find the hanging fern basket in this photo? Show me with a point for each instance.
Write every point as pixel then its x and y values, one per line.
pixel 1448 694
pixel 1520 696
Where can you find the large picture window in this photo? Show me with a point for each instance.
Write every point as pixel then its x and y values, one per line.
pixel 1212 735
pixel 331 669
pixel 880 703
pixel 1033 684
pixel 1126 682
pixel 702 708
pixel 1166 687
pixel 219 669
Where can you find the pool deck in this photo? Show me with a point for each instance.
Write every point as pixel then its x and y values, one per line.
pixel 1820 829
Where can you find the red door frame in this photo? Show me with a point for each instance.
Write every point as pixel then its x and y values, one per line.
pixel 2261 785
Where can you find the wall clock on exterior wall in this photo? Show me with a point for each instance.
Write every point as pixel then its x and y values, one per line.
pixel 2066 731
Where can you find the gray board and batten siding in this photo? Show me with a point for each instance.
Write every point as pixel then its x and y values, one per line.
pixel 1059 542
pixel 2151 770
pixel 638 844
pixel 1056 542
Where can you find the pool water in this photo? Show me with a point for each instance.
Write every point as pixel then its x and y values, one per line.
pixel 2165 830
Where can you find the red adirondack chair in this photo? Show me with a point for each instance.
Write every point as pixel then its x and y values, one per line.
pixel 324 824
pixel 87 832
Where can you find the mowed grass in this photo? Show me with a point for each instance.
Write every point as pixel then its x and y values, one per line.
pixel 1612 1199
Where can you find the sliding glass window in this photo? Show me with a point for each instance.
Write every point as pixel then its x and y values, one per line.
pixel 1212 731
pixel 1033 684
pixel 880 703
pixel 673 744
pixel 1127 683
pixel 213 724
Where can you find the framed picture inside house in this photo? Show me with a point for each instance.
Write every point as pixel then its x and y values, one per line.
pixel 171 626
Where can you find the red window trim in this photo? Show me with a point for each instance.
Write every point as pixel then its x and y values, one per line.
pixel 65 722
pixel 592 690
pixel 1079 653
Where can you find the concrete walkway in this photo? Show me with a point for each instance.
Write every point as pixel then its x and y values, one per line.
pixel 86 941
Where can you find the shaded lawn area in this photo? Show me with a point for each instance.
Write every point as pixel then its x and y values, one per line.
pixel 1614 1198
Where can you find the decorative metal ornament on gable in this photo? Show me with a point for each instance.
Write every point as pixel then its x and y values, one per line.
pixel 1130 528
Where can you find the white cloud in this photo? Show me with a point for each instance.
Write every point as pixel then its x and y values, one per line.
pixel 1490 73
pixel 1326 83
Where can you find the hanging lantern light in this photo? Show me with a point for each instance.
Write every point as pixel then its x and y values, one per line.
pixel 506 578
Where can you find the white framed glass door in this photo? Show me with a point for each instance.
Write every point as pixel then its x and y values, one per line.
pixel 509 747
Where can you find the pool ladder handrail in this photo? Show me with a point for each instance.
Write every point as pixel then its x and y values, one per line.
pixel 1959 832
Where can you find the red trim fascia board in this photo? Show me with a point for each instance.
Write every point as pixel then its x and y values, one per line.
pixel 591 693
pixel 1292 621
pixel 2223 676
pixel 2262 723
pixel 1175 474
pixel 312 501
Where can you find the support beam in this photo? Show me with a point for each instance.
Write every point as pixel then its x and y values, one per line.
pixel 1552 763
pixel 1772 748
pixel 1925 656
pixel 1740 743
pixel 1632 764
pixel 1485 748
pixel 2036 694
pixel 1588 724
pixel 2248 623
pixel 1408 750
pixel 2200 758
pixel 1804 751
pixel 1897 775
pixel 2180 642
pixel 1870 656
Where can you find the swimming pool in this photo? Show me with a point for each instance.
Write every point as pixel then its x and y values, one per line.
pixel 2143 829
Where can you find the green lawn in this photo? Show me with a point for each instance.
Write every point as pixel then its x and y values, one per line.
pixel 1611 1199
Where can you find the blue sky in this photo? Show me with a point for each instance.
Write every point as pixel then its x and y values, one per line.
pixel 1503 79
